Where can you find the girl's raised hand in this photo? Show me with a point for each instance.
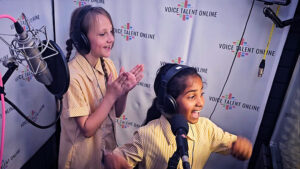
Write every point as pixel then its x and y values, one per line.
pixel 241 148
pixel 137 71
pixel 129 83
pixel 115 161
pixel 115 88
pixel 132 77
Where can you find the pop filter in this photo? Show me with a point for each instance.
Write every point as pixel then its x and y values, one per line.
pixel 58 67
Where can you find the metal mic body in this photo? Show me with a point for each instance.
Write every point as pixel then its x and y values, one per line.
pixel 33 57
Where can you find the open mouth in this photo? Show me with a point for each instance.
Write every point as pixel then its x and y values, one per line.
pixel 196 114
pixel 107 47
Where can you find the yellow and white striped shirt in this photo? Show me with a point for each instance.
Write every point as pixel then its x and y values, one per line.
pixel 154 144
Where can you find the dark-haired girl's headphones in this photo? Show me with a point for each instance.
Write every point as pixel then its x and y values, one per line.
pixel 79 38
pixel 169 103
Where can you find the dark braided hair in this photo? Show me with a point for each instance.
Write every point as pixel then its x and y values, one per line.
pixel 174 88
pixel 69 42
pixel 69 49
pixel 104 69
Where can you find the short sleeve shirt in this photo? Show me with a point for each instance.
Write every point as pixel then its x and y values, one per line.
pixel 85 92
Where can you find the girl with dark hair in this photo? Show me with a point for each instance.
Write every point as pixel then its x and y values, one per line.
pixel 177 87
pixel 179 90
pixel 96 95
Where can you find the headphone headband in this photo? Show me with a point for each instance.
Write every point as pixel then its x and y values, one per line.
pixel 79 37
pixel 171 72
pixel 80 17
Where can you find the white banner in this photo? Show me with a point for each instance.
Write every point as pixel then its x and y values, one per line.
pixel 22 139
pixel 203 34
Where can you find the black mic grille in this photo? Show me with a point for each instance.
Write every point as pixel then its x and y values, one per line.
pixel 177 122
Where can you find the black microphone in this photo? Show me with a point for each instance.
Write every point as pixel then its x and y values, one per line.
pixel 180 129
pixel 32 54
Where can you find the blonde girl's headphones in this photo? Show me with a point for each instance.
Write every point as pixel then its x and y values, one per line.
pixel 79 38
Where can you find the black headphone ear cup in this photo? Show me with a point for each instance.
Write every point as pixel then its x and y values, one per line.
pixel 170 104
pixel 85 44
pixel 81 43
pixel 80 40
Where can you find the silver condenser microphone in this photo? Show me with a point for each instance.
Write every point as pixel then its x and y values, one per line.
pixel 29 47
pixel 45 59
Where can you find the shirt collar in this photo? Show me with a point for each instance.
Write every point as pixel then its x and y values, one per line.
pixel 85 65
pixel 166 127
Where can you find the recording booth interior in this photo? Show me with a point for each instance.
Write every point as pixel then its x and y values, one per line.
pixel 247 52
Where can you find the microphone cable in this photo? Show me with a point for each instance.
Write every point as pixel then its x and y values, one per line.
pixel 2 101
pixel 3 119
pixel 233 58
pixel 263 61
pixel 32 122
pixel 9 17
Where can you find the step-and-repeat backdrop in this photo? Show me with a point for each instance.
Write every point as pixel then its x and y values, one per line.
pixel 22 139
pixel 199 33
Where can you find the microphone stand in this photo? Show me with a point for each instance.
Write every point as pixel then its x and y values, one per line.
pixel 173 161
pixel 278 22
pixel 12 66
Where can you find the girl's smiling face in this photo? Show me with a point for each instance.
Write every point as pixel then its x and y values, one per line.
pixel 101 37
pixel 191 101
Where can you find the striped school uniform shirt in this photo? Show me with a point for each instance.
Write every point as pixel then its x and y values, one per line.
pixel 152 145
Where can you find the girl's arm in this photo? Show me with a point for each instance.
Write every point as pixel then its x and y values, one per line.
pixel 133 77
pixel 116 93
pixel 115 161
pixel 121 104
pixel 241 148
pixel 89 124
pixel 127 155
